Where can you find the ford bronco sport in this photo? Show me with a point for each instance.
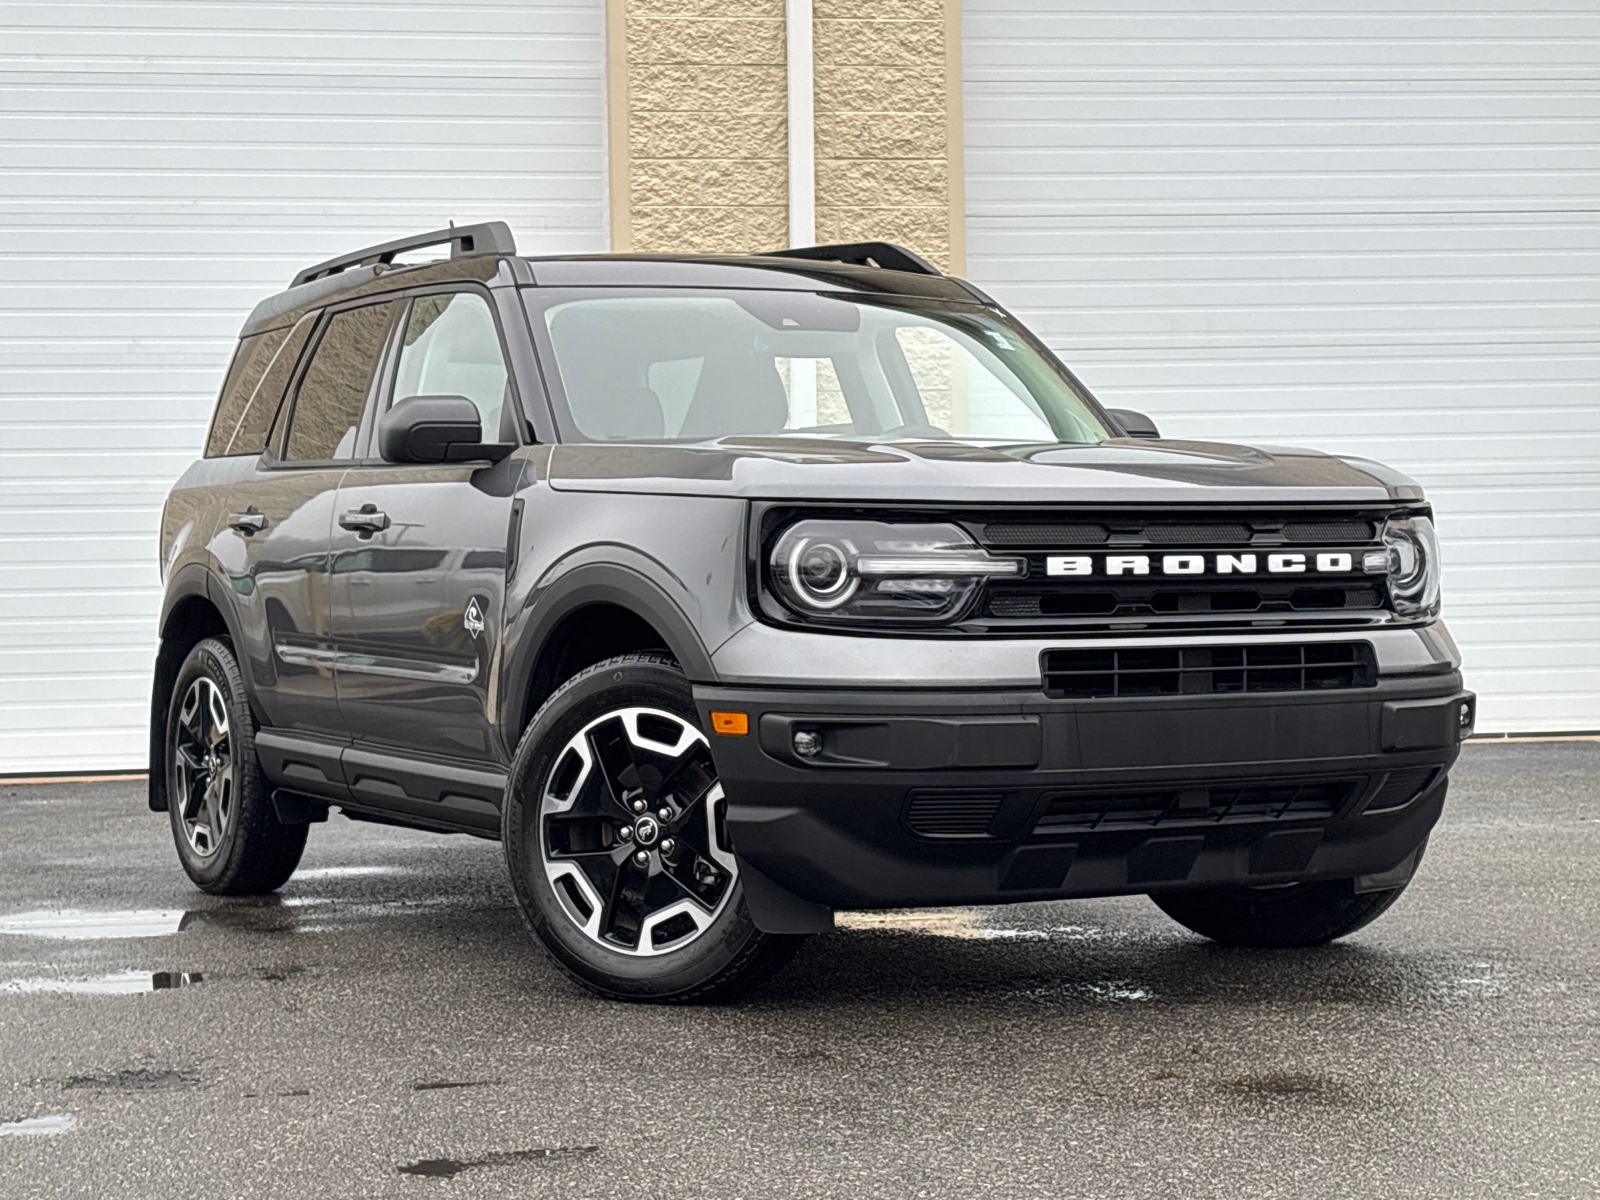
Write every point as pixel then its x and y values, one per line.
pixel 731 591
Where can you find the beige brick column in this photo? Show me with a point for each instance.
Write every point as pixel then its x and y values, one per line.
pixel 699 160
pixel 889 125
pixel 697 125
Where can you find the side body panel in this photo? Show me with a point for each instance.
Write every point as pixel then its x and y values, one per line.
pixel 418 608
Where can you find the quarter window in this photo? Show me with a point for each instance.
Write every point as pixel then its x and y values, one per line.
pixel 254 389
pixel 327 408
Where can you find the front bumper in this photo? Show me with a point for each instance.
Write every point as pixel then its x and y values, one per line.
pixel 976 797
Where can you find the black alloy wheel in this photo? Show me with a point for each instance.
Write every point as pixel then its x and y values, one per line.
pixel 614 835
pixel 228 837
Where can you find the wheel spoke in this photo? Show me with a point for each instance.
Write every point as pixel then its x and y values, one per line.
pixel 625 908
pixel 613 754
pixel 690 778
pixel 195 795
pixel 697 877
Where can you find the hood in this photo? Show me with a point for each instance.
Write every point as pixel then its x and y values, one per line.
pixel 1123 470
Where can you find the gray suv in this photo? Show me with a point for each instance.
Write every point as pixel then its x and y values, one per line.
pixel 730 591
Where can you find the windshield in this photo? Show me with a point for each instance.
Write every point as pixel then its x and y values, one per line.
pixel 698 366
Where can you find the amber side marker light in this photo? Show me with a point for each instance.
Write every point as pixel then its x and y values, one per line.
pixel 730 724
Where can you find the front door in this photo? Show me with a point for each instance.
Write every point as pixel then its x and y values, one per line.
pixel 419 558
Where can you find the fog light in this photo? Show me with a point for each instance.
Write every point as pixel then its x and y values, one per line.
pixel 807 744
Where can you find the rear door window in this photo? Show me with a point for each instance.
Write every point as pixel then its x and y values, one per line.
pixel 334 389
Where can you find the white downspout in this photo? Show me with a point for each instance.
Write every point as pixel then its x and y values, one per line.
pixel 802 125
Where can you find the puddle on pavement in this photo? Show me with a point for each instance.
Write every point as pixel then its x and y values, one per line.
pixel 75 925
pixel 965 923
pixel 49 1126
pixel 349 872
pixel 445 1168
pixel 114 983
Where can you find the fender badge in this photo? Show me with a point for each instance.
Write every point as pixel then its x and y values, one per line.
pixel 472 619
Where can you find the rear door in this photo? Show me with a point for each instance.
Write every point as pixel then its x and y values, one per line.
pixel 418 578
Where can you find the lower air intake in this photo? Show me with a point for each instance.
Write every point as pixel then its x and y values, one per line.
pixel 953 814
pixel 1208 670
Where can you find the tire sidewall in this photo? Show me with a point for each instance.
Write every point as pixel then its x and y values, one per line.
pixel 213 660
pixel 648 683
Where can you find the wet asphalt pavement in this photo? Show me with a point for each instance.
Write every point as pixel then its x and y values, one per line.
pixel 386 1027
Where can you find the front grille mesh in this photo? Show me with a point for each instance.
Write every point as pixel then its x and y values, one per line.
pixel 1328 533
pixel 1213 534
pixel 1073 812
pixel 1208 670
pixel 1009 533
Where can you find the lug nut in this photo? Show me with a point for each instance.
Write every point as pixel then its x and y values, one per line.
pixel 639 806
pixel 807 744
pixel 664 813
pixel 641 859
pixel 626 833
pixel 668 845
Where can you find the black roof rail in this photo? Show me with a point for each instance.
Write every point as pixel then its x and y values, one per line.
pixel 492 237
pixel 864 254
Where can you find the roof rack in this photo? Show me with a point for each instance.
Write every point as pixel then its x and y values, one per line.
pixel 864 254
pixel 492 237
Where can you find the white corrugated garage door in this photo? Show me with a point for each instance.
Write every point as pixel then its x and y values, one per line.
pixel 162 167
pixel 1374 232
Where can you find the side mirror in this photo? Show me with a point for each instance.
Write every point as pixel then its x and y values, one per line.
pixel 436 429
pixel 1134 424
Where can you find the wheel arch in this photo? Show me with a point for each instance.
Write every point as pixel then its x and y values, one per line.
pixel 189 613
pixel 591 614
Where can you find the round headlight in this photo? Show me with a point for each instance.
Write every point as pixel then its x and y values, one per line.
pixel 819 571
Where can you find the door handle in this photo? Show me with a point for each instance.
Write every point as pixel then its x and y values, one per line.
pixel 247 522
pixel 366 520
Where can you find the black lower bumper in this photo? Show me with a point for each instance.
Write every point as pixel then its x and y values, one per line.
pixel 903 799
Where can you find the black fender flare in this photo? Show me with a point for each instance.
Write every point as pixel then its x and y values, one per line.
pixel 187 582
pixel 595 583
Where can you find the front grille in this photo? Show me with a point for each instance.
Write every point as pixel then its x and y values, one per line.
pixel 952 814
pixel 1201 805
pixel 1154 595
pixel 1208 670
pixel 1401 788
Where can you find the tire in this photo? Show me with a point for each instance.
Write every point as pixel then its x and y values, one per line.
pixel 229 839
pixel 1301 914
pixel 675 929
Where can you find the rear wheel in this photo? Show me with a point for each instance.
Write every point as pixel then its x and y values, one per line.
pixel 228 837
pixel 614 837
pixel 1296 914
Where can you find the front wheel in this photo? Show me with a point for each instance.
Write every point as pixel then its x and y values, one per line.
pixel 1282 916
pixel 614 836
